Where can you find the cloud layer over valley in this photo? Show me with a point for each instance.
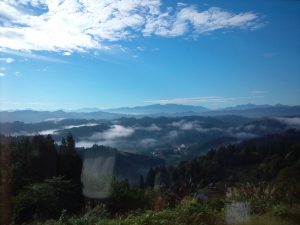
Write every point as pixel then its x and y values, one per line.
pixel 150 134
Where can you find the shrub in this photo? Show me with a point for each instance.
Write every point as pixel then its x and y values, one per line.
pixel 123 198
pixel 188 212
pixel 217 204
pixel 261 197
pixel 287 212
pixel 45 200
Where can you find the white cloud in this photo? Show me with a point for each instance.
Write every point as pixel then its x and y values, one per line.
pixel 116 131
pixel 116 136
pixel 172 134
pixel 293 122
pixel 249 127
pixel 196 100
pixel 46 132
pixel 193 100
pixel 148 142
pixel 67 53
pixel 29 55
pixel 201 22
pixel 153 127
pixel 25 133
pixel 21 133
pixel 193 125
pixel 185 125
pixel 2 69
pixel 79 25
pixel 81 125
pixel 211 100
pixel 85 144
pixel 7 60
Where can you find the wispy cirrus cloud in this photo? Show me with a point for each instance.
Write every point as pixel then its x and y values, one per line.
pixel 212 101
pixel 80 25
pixel 192 101
pixel 197 100
pixel 29 55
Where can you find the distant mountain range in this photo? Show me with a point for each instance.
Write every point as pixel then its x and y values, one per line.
pixel 257 111
pixel 84 110
pixel 157 110
pixel 31 116
pixel 248 106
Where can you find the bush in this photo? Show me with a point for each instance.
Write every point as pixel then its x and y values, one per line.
pixel 123 198
pixel 287 212
pixel 46 200
pixel 216 204
pixel 288 181
pixel 261 197
pixel 267 219
pixel 188 212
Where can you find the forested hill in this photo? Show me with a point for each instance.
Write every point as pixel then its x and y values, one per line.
pixel 273 158
pixel 45 174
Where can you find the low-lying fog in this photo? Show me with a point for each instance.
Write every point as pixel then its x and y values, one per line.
pixel 146 133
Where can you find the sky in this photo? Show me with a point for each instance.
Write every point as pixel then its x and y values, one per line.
pixel 71 54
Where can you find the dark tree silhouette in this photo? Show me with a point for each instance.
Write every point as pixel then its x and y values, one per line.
pixel 150 178
pixel 5 182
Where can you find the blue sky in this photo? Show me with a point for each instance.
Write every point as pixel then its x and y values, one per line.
pixel 73 54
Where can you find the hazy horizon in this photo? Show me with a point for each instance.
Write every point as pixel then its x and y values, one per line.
pixel 104 109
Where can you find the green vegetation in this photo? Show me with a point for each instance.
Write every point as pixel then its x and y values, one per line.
pixel 45 200
pixel 45 177
pixel 273 159
pixel 188 211
pixel 263 173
